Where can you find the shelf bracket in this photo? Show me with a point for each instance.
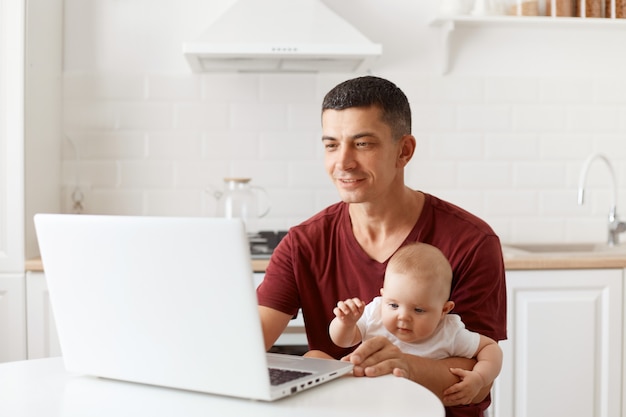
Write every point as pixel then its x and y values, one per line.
pixel 447 28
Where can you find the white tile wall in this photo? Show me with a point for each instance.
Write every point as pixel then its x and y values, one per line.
pixel 507 148
pixel 157 139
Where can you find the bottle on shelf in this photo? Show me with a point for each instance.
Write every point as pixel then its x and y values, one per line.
pixel 591 8
pixel 523 8
pixel 620 8
pixel 553 8
pixel 561 8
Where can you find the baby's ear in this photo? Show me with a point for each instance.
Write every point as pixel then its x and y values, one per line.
pixel 381 291
pixel 448 306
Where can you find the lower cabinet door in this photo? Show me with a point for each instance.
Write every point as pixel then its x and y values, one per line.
pixel 563 353
pixel 12 318
pixel 43 341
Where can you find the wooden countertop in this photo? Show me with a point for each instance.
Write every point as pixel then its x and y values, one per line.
pixel 563 256
pixel 34 265
pixel 514 259
pixel 563 261
pixel 259 265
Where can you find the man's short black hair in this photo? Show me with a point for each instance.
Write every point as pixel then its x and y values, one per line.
pixel 373 91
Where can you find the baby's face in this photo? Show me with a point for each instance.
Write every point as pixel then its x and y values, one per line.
pixel 411 309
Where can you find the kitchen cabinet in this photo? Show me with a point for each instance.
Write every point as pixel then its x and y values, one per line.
pixel 563 354
pixel 11 136
pixel 43 341
pixel 30 118
pixel 12 318
pixel 12 301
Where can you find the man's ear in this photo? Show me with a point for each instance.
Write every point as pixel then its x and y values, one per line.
pixel 407 148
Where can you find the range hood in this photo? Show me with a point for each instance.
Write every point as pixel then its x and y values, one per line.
pixel 281 36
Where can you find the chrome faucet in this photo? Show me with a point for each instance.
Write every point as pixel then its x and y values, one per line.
pixel 615 226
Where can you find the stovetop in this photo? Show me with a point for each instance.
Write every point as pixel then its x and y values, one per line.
pixel 262 243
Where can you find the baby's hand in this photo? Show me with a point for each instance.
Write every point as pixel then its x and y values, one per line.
pixel 350 310
pixel 464 391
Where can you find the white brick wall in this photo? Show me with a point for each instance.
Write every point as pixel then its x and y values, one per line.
pixel 509 149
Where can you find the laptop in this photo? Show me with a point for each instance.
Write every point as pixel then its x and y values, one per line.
pixel 165 301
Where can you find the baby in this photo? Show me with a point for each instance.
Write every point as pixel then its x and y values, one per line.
pixel 412 312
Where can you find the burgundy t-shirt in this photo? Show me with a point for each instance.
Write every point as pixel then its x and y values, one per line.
pixel 320 262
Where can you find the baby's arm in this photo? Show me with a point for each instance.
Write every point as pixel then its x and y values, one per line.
pixel 487 368
pixel 343 329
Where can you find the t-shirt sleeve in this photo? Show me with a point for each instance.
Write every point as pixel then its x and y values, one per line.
pixel 479 292
pixel 278 290
pixel 465 342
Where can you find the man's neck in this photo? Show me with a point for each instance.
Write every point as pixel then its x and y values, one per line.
pixel 381 228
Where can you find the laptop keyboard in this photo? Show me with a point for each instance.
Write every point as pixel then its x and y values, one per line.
pixel 280 376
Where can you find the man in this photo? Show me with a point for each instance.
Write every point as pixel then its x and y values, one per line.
pixel 342 251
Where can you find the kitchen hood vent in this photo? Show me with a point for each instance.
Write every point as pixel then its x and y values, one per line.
pixel 281 36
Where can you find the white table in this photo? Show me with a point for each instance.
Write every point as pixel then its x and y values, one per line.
pixel 42 388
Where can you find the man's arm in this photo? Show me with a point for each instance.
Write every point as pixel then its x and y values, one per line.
pixel 378 356
pixel 274 323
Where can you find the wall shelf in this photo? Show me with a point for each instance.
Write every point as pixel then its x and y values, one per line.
pixel 449 23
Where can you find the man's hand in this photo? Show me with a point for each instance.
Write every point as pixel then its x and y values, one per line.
pixel 378 356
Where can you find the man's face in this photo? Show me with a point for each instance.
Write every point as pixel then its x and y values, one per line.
pixel 361 157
